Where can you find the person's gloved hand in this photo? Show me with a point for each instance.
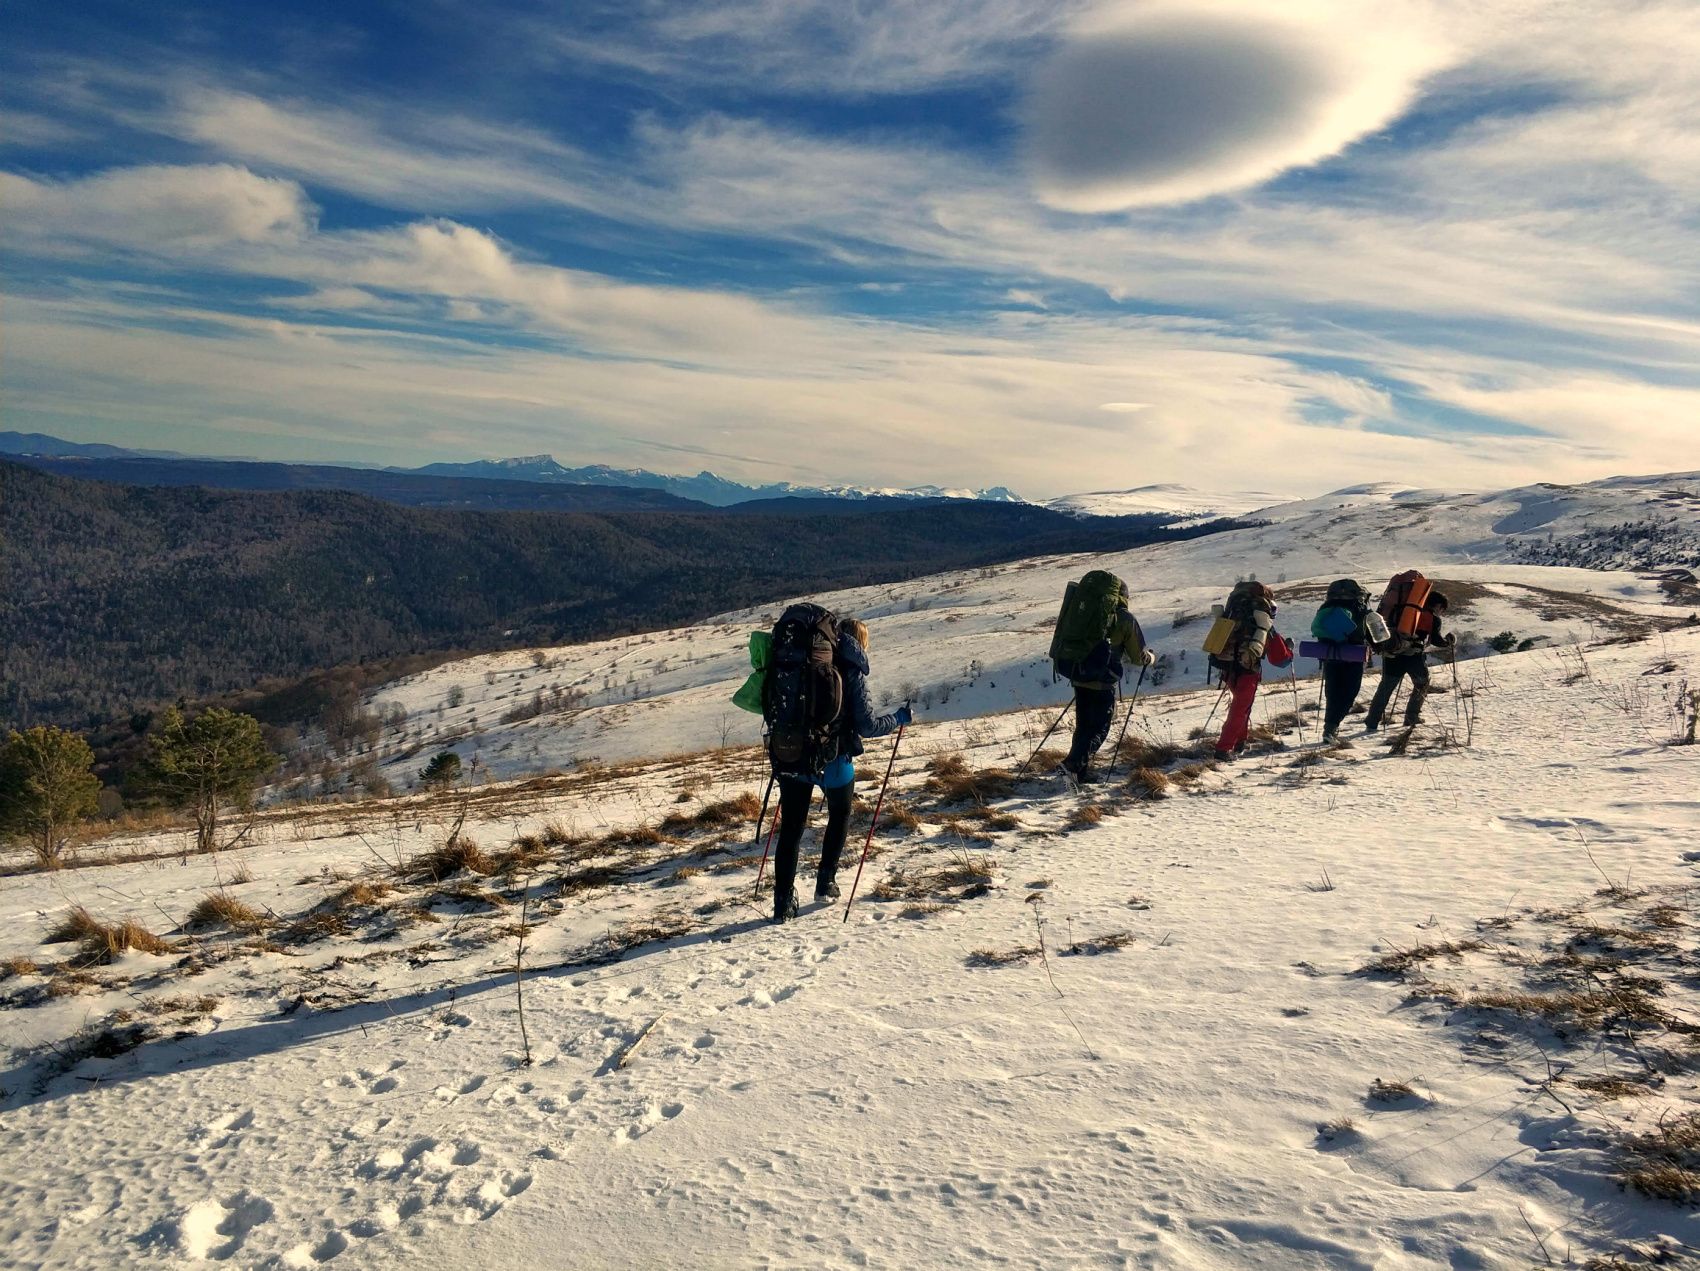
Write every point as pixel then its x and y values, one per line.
pixel 903 715
pixel 1452 639
pixel 1149 658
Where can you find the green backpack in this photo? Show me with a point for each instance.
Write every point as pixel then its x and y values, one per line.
pixel 1087 614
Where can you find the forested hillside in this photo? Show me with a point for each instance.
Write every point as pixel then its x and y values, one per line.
pixel 118 597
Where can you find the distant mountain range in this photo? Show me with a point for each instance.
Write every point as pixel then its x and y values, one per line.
pixel 242 474
pixel 705 487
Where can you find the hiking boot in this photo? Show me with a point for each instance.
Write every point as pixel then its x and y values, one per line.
pixel 785 910
pixel 1226 756
pixel 826 891
pixel 1085 777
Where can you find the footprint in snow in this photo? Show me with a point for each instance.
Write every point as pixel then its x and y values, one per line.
pixel 217 1230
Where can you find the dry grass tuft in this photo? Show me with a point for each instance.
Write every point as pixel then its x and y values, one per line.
pixel 589 878
pixel 1046 761
pixel 554 834
pixel 465 892
pixel 922 909
pixel 1106 943
pixel 72 984
pixel 524 854
pixel 77 924
pixel 1084 817
pixel 103 942
pixel 459 855
pixel 1612 1088
pixel 1003 957
pixel 636 836
pixel 897 815
pixel 19 966
pixel 734 811
pixel 733 864
pixel 221 909
pixel 1148 783
pixel 1390 1091
pixel 357 895
pixel 682 874
pixel 1402 960
pixel 953 781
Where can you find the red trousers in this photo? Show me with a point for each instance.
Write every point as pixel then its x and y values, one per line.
pixel 1242 685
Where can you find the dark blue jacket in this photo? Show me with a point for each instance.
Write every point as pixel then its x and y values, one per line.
pixel 859 718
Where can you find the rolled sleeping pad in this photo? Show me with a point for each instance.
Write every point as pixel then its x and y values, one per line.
pixel 1328 651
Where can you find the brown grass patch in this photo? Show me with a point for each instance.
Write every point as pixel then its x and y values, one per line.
pixel 636 836
pixel 466 892
pixel 554 834
pixel 524 854
pixel 1400 961
pixel 221 909
pixel 734 811
pixel 683 874
pixel 589 878
pixel 1390 1091
pixel 1003 957
pixel 1612 1088
pixel 1148 783
pixel 733 864
pixel 104 942
pixel 953 781
pixel 1084 817
pixel 897 815
pixel 1106 943
pixel 922 909
pixel 72 984
pixel 357 895
pixel 459 855
pixel 19 966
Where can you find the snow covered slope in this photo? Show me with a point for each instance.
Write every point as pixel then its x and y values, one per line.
pixel 1319 1009
pixel 1195 505
pixel 969 643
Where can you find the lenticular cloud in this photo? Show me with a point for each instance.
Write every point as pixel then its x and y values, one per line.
pixel 1169 102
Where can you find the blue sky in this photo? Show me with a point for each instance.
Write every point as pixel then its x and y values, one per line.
pixel 1051 246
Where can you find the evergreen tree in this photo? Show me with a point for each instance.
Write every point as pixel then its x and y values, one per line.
pixel 443 770
pixel 206 763
pixel 46 788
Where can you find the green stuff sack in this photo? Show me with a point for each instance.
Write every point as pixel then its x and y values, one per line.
pixel 748 696
pixel 1087 614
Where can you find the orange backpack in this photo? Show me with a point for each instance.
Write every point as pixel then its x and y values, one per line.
pixel 1405 605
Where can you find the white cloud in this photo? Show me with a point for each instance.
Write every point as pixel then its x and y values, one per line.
pixel 158 207
pixel 821 46
pixel 1167 102
pixel 417 161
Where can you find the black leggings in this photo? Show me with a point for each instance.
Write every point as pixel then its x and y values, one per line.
pixel 794 797
pixel 1340 684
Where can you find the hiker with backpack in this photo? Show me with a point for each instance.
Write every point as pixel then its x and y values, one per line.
pixel 1094 630
pixel 1241 639
pixel 1345 627
pixel 1413 610
pixel 816 710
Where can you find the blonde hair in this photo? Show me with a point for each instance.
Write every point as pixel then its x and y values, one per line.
pixel 859 629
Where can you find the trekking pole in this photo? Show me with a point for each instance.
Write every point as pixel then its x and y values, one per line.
pixel 1215 708
pixel 763 868
pixel 1053 728
pixel 1293 674
pixel 762 816
pixel 1126 719
pixel 874 824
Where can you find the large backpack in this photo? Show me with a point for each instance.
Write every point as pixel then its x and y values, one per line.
pixel 1084 622
pixel 1344 609
pixel 803 694
pixel 1405 605
pixel 1250 609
